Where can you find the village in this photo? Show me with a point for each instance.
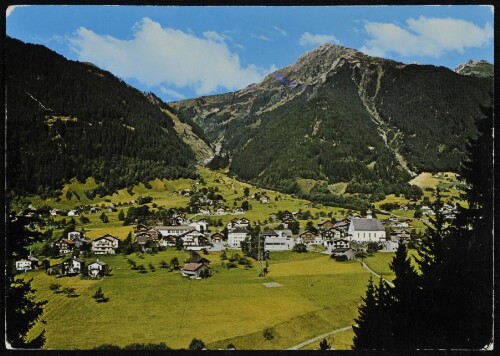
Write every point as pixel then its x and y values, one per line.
pixel 343 238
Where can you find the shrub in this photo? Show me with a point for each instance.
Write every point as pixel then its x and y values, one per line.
pixel 268 334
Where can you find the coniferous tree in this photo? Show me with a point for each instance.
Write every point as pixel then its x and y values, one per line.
pixel 367 324
pixel 404 294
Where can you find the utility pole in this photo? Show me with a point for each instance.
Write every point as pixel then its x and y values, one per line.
pixel 260 267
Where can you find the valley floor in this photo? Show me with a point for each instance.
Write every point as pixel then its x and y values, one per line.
pixel 317 295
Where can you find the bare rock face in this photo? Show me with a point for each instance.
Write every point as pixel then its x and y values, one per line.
pixel 480 69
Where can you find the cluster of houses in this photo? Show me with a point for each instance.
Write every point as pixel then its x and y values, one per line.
pixel 336 235
pixel 69 267
pixel 103 245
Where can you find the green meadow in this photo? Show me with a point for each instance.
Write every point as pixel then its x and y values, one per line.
pixel 317 295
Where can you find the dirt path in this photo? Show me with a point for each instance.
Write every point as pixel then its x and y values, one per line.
pixel 318 338
pixel 375 274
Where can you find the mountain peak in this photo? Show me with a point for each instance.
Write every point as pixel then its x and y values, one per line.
pixel 481 69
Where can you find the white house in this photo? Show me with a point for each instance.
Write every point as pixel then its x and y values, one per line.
pixel 200 225
pixel 366 230
pixel 390 246
pixel 105 245
pixel 73 213
pixel 235 236
pixel 278 240
pixel 75 235
pixel 174 230
pixel 23 265
pixel 194 238
pixel 97 269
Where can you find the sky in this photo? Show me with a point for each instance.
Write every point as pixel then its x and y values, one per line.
pixel 180 52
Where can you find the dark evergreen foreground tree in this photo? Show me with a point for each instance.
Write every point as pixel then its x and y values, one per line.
pixel 449 304
pixel 22 310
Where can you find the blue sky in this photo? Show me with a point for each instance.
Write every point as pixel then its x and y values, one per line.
pixel 183 52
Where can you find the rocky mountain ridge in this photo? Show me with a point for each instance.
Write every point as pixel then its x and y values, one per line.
pixel 418 117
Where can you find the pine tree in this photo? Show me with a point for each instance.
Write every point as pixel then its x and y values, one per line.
pixel 367 324
pixel 404 295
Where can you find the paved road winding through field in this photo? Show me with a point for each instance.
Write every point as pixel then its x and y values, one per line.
pixel 318 338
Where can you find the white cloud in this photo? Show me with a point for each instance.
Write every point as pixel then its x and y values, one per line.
pixel 10 9
pixel 281 31
pixel 425 37
pixel 262 37
pixel 165 56
pixel 308 39
pixel 172 94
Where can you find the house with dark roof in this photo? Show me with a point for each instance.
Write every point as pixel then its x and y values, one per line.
pixel 343 254
pixel 65 246
pixel 105 245
pixel 73 266
pixel 195 270
pixel 97 269
pixel 366 230
pixel 217 237
pixel 309 237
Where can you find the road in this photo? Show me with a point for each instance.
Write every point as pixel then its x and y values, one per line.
pixel 318 338
pixel 375 274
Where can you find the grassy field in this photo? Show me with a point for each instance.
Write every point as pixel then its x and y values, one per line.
pixel 317 295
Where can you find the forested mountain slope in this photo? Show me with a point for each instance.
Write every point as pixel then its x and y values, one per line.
pixel 342 116
pixel 68 119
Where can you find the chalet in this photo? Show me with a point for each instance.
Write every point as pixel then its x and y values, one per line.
pixel 238 211
pixel 366 230
pixel 55 269
pixel 343 254
pixel 288 222
pixel 273 216
pixel 76 235
pixel 335 244
pixel 141 228
pixel 401 224
pixel 143 238
pixel 326 225
pixel 389 246
pixel 332 233
pixel 65 246
pixel 195 270
pixel 277 240
pixel 220 211
pixel 168 240
pixel 236 236
pixel 94 209
pixel 200 225
pixel 217 237
pixel 197 259
pixel 24 265
pixel 400 234
pixel 238 222
pixel 203 211
pixel 264 199
pixel 194 238
pixel 196 267
pixel 73 266
pixel 97 269
pixel 309 237
pixel 73 213
pixel 174 230
pixel 286 215
pixel 105 245
pixel 112 209
pixel 54 212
